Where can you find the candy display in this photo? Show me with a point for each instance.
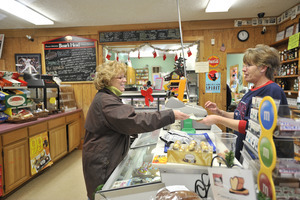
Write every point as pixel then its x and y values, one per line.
pixel 197 153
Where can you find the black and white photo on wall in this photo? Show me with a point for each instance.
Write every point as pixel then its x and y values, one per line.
pixel 28 63
pixel 1 43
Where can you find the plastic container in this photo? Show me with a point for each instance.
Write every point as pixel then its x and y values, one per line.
pixel 225 142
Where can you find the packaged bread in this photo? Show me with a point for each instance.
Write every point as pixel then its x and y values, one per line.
pixel 178 193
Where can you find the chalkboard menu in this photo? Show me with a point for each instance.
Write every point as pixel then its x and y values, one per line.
pixel 71 58
pixel 145 35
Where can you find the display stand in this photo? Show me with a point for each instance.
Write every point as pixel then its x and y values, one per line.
pixel 266 147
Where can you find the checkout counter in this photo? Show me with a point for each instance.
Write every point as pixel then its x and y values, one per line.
pixel 131 180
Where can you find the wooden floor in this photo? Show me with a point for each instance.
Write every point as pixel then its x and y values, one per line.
pixel 62 181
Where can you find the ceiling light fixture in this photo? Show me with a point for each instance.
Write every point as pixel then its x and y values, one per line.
pixel 20 10
pixel 218 5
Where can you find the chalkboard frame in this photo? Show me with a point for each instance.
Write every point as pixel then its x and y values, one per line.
pixel 139 35
pixel 72 44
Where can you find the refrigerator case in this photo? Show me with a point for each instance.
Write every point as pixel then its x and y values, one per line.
pixel 135 177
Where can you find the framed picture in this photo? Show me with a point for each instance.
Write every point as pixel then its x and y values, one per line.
pixel 1 43
pixel 289 31
pixel 280 35
pixel 28 63
pixel 159 83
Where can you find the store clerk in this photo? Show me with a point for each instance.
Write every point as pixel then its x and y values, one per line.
pixel 109 124
pixel 260 63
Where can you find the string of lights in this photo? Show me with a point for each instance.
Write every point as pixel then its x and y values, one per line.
pixel 113 50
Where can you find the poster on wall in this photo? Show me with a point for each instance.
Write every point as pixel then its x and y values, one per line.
pixel 213 82
pixel 39 153
pixel 29 63
pixel 1 43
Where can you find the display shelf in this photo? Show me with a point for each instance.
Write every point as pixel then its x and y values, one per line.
pixel 289 61
pixel 280 42
pixel 142 76
pixel 288 82
pixel 10 87
pixel 286 76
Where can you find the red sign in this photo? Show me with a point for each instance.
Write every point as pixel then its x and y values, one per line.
pixel 214 61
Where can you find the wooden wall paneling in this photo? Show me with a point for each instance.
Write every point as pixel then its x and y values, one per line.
pixel 100 54
pixel 2 65
pixel 87 93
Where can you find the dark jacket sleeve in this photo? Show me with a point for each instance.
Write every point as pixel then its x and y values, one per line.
pixel 122 118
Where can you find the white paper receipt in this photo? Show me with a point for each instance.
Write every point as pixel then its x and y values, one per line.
pixel 193 117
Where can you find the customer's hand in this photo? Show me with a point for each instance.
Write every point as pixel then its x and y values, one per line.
pixel 180 115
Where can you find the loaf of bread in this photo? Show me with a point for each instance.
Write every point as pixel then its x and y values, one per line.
pixel 165 194
pixel 237 183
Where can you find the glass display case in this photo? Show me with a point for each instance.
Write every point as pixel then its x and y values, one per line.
pixel 44 91
pixel 138 101
pixel 135 172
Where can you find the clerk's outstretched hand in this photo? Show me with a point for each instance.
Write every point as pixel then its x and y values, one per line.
pixel 180 115
pixel 211 106
pixel 209 120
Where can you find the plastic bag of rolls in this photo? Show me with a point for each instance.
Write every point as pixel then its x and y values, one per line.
pixel 176 192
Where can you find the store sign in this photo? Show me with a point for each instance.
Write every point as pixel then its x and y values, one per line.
pixel 232 183
pixel 15 100
pixel 214 61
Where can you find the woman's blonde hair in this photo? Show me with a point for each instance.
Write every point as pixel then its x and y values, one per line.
pixel 263 55
pixel 107 71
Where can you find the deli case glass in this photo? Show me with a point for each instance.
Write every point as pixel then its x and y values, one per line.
pixel 135 177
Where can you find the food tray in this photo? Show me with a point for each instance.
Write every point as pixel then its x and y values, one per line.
pixel 17 121
pixel 41 114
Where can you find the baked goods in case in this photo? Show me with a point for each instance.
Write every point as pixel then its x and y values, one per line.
pixel 165 194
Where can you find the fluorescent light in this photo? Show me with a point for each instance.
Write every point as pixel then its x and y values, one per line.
pixel 18 9
pixel 218 5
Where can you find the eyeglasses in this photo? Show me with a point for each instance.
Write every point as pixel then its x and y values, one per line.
pixel 121 77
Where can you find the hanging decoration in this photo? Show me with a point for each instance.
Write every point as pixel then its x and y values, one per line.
pixel 139 55
pixel 164 57
pixel 176 57
pixel 114 50
pixel 189 53
pixel 223 48
pixel 128 57
pixel 108 56
pixel 154 54
pixel 117 57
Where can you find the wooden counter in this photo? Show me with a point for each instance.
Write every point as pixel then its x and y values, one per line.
pixel 64 131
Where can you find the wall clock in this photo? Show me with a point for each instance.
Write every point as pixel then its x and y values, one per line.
pixel 243 35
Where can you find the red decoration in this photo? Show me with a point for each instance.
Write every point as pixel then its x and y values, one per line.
pixel 128 57
pixel 117 57
pixel 139 56
pixel 154 54
pixel 176 57
pixel 108 56
pixel 164 57
pixel 189 53
pixel 147 94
